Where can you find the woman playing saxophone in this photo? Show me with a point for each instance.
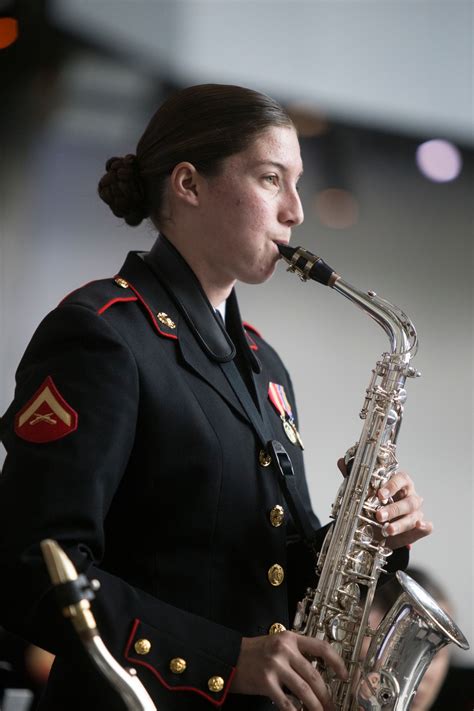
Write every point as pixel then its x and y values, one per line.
pixel 134 437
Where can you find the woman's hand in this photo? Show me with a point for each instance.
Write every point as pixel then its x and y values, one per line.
pixel 277 664
pixel 401 514
pixel 402 518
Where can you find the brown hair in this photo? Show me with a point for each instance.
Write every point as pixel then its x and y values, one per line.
pixel 202 124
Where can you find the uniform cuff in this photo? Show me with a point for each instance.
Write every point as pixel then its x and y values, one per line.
pixel 176 666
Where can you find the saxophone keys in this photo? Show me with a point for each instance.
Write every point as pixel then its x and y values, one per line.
pixel 337 628
pixel 349 595
pixel 366 534
pixel 361 562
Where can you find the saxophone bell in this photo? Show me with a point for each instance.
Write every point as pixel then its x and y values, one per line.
pixel 405 642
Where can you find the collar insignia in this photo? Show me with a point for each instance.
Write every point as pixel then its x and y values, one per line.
pixel 165 319
pixel 121 282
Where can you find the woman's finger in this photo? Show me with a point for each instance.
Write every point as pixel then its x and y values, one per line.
pixel 421 530
pixel 396 483
pixel 311 647
pixel 306 672
pixel 399 508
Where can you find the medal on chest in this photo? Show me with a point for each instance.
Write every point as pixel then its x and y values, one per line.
pixel 277 396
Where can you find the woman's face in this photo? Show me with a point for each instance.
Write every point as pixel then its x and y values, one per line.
pixel 250 207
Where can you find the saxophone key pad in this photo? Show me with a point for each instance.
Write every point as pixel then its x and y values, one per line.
pixel 338 628
pixel 366 534
pixel 361 562
pixel 349 595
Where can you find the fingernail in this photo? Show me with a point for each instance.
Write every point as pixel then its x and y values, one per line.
pixel 385 493
pixel 384 530
pixel 383 515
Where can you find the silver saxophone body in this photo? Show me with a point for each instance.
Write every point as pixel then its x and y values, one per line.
pixel 354 554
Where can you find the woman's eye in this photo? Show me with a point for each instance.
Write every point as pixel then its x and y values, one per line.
pixel 273 179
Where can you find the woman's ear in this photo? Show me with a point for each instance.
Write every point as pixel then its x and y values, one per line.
pixel 185 183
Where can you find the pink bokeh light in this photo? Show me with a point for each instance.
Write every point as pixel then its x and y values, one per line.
pixel 439 160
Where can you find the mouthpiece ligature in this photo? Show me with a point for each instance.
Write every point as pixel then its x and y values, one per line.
pixel 307 265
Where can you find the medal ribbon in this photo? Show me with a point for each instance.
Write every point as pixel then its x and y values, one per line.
pixel 278 398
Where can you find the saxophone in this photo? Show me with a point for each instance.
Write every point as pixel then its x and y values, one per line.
pixel 74 593
pixel 354 553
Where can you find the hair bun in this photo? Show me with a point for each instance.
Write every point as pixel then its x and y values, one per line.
pixel 122 189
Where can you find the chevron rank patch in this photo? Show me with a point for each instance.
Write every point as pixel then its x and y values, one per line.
pixel 46 417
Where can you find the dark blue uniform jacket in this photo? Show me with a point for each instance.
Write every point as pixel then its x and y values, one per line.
pixel 158 492
pixel 154 486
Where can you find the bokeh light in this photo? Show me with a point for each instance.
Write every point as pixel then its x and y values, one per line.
pixel 8 31
pixel 439 160
pixel 337 208
pixel 308 122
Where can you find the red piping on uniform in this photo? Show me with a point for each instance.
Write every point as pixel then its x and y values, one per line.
pixel 215 702
pixel 150 313
pixel 252 344
pixel 245 324
pixel 114 301
pixel 74 290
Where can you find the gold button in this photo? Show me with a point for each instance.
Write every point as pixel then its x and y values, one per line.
pixel 142 646
pixel 276 628
pixel 215 684
pixel 276 575
pixel 121 282
pixel 165 319
pixel 264 459
pixel 277 514
pixel 178 665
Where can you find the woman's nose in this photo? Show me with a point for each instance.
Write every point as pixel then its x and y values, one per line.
pixel 291 210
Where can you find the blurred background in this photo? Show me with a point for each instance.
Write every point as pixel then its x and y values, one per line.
pixel 381 92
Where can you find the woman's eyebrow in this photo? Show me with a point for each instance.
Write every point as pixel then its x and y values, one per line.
pixel 275 163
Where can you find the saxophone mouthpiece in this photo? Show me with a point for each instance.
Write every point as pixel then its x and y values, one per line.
pixel 308 265
pixel 60 568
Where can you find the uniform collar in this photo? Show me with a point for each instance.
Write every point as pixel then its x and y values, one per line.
pixel 185 290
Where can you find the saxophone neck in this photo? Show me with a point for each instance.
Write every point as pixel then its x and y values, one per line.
pixel 396 324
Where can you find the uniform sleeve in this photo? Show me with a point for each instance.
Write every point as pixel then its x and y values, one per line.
pixel 68 434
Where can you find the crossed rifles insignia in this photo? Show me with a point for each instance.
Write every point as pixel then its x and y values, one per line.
pixel 47 416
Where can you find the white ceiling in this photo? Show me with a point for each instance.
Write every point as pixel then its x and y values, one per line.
pixel 404 65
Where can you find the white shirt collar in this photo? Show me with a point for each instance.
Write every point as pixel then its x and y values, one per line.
pixel 221 309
